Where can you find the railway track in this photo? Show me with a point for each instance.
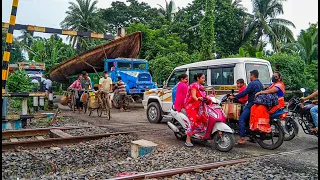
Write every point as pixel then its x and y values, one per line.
pixel 171 172
pixel 58 137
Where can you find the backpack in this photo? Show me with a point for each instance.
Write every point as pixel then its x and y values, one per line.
pixel 174 93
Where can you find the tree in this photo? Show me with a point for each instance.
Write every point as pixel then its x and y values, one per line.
pixel 306 46
pixel 292 69
pixel 16 54
pixel 83 16
pixel 162 66
pixel 169 12
pixel 227 29
pixel 119 14
pixel 265 23
pixel 207 31
pixel 157 42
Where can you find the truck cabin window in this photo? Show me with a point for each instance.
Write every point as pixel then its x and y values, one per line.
pixel 173 80
pixel 111 66
pixel 139 66
pixel 124 66
pixel 264 75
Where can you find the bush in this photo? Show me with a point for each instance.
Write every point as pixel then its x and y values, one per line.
pixel 162 66
pixel 19 81
pixel 311 72
pixel 292 70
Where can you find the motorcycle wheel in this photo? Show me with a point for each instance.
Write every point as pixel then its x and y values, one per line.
pixel 224 142
pixel 277 131
pixel 290 129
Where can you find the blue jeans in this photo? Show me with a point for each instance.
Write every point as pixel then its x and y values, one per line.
pixel 314 114
pixel 243 120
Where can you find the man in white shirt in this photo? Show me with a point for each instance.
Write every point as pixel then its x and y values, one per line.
pixel 105 85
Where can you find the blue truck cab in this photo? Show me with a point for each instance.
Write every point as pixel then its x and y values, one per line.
pixel 134 72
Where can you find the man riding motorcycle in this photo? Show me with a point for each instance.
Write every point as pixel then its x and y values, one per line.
pixel 314 110
pixel 253 87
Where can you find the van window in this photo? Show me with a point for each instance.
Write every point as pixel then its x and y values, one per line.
pixel 110 65
pixel 173 80
pixel 222 76
pixel 192 72
pixel 124 66
pixel 264 74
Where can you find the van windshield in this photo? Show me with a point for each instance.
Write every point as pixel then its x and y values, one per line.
pixel 264 74
pixel 124 66
pixel 173 80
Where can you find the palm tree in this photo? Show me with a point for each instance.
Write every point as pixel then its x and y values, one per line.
pixel 83 16
pixel 305 46
pixel 266 24
pixel 169 12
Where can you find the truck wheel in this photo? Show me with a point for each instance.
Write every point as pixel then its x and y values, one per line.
pixel 154 113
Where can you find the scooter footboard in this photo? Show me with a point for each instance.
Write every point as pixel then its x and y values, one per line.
pixel 220 126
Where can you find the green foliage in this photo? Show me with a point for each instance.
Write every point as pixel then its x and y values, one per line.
pixel 19 81
pixel 162 66
pixel 83 16
pixel 265 22
pixel 291 68
pixel 207 31
pixel 157 42
pixel 311 73
pixel 120 14
pixel 52 51
pixel 16 51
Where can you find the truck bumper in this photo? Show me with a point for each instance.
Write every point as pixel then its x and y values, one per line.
pixel 145 104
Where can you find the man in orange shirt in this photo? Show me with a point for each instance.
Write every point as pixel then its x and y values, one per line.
pixel 242 86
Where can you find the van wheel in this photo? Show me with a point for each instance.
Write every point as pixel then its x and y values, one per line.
pixel 154 113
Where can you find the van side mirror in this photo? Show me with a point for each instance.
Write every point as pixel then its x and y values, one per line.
pixel 164 84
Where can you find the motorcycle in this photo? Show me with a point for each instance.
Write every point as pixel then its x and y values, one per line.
pixel 262 138
pixel 217 131
pixel 301 111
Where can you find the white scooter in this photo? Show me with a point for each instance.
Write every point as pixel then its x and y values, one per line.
pixel 217 130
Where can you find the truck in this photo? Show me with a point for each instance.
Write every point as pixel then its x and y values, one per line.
pixel 134 72
pixel 35 70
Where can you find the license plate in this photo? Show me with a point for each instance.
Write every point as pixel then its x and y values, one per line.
pixel 134 91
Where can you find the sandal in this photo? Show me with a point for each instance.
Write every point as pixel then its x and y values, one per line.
pixel 188 144
pixel 241 142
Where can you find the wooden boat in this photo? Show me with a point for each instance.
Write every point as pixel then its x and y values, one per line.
pixel 125 47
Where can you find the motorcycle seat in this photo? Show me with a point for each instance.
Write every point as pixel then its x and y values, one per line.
pixel 277 113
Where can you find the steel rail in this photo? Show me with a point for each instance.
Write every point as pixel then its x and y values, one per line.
pixel 6 146
pixel 190 169
pixel 34 132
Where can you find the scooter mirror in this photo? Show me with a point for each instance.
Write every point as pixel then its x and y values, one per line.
pixel 303 90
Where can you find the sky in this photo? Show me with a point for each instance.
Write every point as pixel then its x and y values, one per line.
pixel 49 13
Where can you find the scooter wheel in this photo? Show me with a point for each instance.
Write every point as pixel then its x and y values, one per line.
pixel 224 142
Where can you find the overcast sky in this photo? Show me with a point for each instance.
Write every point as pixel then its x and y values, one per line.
pixel 50 13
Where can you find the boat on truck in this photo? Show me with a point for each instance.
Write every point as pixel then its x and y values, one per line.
pixel 134 72
pixel 221 74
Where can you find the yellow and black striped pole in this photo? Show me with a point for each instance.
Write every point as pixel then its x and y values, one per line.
pixel 9 38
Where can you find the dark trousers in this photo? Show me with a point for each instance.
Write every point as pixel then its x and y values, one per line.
pixel 244 120
pixel 78 103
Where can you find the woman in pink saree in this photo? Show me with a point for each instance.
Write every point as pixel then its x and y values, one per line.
pixel 195 109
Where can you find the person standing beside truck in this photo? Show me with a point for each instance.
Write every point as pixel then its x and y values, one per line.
pixel 120 87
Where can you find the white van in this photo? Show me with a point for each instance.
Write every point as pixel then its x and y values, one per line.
pixel 221 74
